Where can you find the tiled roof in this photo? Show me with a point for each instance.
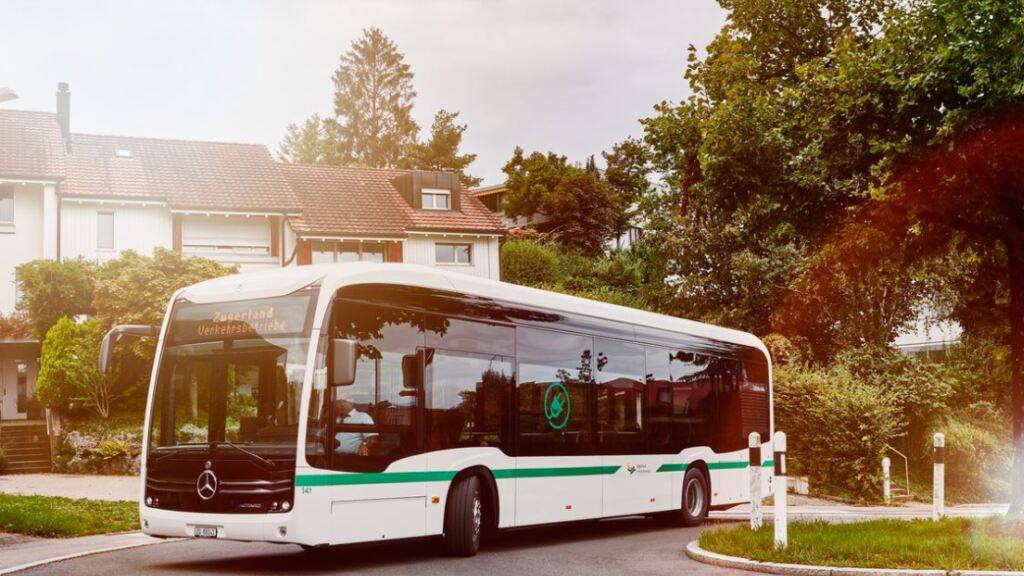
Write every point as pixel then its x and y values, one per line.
pixel 30 145
pixel 185 174
pixel 340 201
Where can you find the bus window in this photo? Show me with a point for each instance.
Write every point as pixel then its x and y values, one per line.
pixel 467 398
pixel 680 400
pixel 467 336
pixel 555 376
pixel 619 390
pixel 727 376
pixel 374 418
pixel 754 398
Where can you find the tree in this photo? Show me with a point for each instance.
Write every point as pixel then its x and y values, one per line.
pixel 135 289
pixel 373 102
pixel 575 206
pixel 305 145
pixel 628 173
pixel 441 151
pixel 944 166
pixel 53 289
pixel 752 180
pixel 68 369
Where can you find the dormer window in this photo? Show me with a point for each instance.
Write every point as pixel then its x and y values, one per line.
pixel 437 199
pixel 123 153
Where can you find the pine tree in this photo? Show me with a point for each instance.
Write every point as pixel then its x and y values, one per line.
pixel 304 145
pixel 373 101
pixel 441 151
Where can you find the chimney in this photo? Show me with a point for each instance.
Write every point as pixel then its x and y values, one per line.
pixel 64 113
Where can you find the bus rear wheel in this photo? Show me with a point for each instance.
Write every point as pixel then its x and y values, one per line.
pixel 464 518
pixel 695 504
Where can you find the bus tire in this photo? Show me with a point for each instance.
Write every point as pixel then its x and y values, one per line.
pixel 695 497
pixel 463 518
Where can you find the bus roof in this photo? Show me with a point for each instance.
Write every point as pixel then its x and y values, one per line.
pixel 279 281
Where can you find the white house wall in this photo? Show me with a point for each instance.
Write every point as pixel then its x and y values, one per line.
pixel 21 243
pixel 136 227
pixel 420 250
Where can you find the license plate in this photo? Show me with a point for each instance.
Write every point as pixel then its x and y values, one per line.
pixel 205 531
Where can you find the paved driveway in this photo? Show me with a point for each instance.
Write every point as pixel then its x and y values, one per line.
pixel 625 546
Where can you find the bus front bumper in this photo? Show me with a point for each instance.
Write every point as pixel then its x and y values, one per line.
pixel 242 527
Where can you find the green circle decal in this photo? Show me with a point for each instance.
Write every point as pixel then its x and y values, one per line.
pixel 557 406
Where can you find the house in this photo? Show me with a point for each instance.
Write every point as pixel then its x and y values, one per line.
pixel 493 197
pixel 65 194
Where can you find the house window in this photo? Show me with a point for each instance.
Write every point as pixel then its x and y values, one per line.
pixel 22 385
pixel 225 236
pixel 326 251
pixel 104 230
pixel 453 253
pixel 7 204
pixel 437 199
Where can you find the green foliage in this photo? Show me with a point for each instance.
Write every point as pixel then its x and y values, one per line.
pixel 3 460
pixel 528 263
pixel 441 151
pixel 306 144
pixel 52 289
pixel 56 517
pixel 838 427
pixel 69 371
pixel 135 289
pixel 373 98
pixel 578 208
pixel 949 544
pixel 978 456
pixel 111 449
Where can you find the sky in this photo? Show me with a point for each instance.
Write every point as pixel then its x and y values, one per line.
pixel 570 77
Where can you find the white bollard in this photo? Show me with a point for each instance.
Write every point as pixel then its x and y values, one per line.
pixel 781 527
pixel 886 490
pixel 756 514
pixel 939 478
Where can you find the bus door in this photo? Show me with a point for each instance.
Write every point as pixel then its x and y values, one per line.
pixel 634 483
pixel 558 474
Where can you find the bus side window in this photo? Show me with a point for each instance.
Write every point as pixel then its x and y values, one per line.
pixel 680 400
pixel 467 399
pixel 555 376
pixel 619 388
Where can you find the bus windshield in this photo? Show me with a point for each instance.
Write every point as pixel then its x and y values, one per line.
pixel 231 375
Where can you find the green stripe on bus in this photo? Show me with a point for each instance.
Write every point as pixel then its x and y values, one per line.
pixel 445 476
pixel 713 466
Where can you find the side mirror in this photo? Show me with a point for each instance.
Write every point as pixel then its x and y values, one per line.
pixel 344 355
pixel 114 335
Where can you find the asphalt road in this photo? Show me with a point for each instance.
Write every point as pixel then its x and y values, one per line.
pixel 624 546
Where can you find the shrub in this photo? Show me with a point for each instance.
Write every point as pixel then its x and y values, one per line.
pixel 528 263
pixel 68 368
pixel 3 460
pixel 111 449
pixel 978 460
pixel 838 427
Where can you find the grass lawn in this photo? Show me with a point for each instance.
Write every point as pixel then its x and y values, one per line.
pixel 55 517
pixel 951 544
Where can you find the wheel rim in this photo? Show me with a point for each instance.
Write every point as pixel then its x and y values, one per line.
pixel 478 517
pixel 694 498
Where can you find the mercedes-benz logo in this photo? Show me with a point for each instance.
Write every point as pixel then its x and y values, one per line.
pixel 206 485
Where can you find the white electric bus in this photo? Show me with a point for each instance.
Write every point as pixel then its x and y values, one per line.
pixel 344 403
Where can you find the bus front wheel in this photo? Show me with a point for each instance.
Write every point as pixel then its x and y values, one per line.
pixel 464 518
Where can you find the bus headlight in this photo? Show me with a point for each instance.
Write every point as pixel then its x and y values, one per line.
pixel 149 501
pixel 286 506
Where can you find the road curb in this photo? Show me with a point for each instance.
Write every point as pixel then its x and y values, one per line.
pixel 695 552
pixel 55 559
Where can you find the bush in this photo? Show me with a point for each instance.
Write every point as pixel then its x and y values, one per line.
pixel 3 460
pixel 838 428
pixel 978 460
pixel 528 263
pixel 69 370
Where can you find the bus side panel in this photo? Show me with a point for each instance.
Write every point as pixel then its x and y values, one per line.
pixel 637 486
pixel 558 489
pixel 346 508
pixel 456 460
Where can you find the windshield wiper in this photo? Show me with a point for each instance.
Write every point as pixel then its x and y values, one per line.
pixel 252 455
